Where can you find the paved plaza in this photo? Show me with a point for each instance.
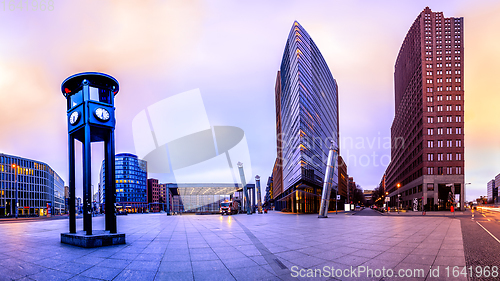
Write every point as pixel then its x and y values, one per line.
pixel 270 246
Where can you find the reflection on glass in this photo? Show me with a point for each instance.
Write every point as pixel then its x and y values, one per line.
pixel 76 99
pixel 94 93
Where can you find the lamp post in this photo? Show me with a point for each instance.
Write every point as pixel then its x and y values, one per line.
pixel 398 186
pixel 465 197
pixel 14 166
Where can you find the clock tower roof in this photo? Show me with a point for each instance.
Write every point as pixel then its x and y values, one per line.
pixel 97 79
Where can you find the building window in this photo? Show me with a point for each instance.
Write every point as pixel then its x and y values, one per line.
pixel 449 131
pixel 457 79
pixel 448 108
pixel 430 186
pixel 449 156
pixel 458 118
pixel 439 108
pixel 439 98
pixel 430 131
pixel 458 170
pixel 440 157
pixel 458 143
pixel 448 119
pixel 430 120
pixel 458 97
pixel 430 170
pixel 430 109
pixel 430 144
pixel 449 143
pixel 440 119
pixel 440 170
pixel 448 88
pixel 440 143
pixel 429 98
pixel 458 107
pixel 458 157
pixel 458 88
pixel 429 81
pixel 459 131
pixel 429 90
pixel 430 157
pixel 439 131
pixel 457 71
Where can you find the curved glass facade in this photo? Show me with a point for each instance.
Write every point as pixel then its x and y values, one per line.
pixel 131 182
pixel 38 187
pixel 308 105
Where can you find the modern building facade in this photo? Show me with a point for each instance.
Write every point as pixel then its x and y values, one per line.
pixel 40 190
pixel 306 123
pixel 343 179
pixel 155 201
pixel 199 197
pixel 131 183
pixel 492 192
pixel 427 134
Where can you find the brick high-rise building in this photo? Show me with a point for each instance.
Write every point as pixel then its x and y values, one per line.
pixel 153 194
pixel 427 134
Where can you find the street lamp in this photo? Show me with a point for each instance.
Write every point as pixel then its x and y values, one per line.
pixel 14 166
pixel 398 186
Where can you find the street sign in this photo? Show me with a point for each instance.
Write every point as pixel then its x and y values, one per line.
pixel 415 204
pixel 338 197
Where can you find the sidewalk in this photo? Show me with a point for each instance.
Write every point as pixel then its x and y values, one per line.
pixel 271 246
pixel 429 213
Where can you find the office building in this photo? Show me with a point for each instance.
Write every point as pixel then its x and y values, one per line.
pixel 492 192
pixel 427 133
pixel 40 190
pixel 131 183
pixel 306 122
pixel 342 181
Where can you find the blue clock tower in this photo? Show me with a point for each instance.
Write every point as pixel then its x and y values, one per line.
pixel 91 118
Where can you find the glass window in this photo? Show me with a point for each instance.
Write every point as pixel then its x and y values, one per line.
pixel 76 99
pixel 94 93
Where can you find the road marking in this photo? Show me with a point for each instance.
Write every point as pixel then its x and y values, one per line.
pixel 488 232
pixel 489 220
pixel 484 215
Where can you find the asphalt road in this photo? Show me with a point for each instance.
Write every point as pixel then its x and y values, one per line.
pixel 367 212
pixel 481 237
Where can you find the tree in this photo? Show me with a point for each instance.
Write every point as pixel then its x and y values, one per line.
pixel 358 196
pixel 378 196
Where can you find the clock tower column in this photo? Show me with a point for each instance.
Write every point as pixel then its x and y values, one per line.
pixel 91 118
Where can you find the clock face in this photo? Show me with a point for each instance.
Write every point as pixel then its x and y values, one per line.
pixel 102 114
pixel 73 118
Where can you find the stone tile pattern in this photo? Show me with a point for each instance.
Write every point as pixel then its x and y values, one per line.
pixel 191 247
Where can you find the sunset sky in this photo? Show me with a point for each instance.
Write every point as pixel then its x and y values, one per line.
pixel 231 51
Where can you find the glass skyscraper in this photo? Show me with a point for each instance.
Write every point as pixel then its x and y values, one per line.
pixel 131 183
pixel 306 123
pixel 39 188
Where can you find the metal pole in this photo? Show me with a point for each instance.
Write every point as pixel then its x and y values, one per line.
pixel 15 183
pixel 87 208
pixel 398 203
pixel 245 190
pixel 259 201
pixel 336 201
pixel 330 168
